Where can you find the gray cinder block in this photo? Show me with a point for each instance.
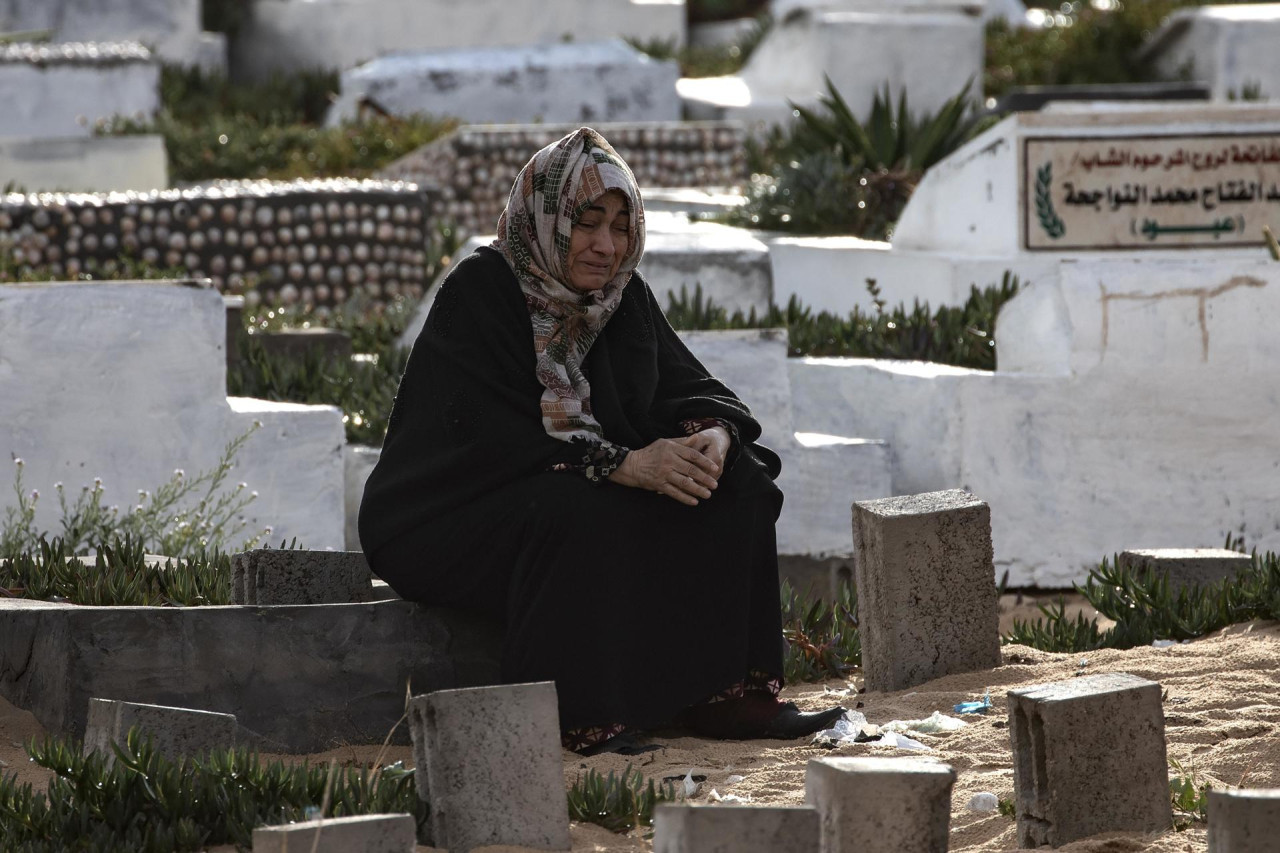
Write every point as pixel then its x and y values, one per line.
pixel 1089 757
pixel 735 829
pixel 926 587
pixel 881 805
pixel 490 768
pixel 1187 566
pixel 275 577
pixel 374 833
pixel 173 731
pixel 1244 821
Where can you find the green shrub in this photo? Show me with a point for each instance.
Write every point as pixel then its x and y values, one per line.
pixel 1082 45
pixel 146 803
pixel 822 639
pixel 618 803
pixel 1145 608
pixel 963 336
pixel 832 173
pixel 217 129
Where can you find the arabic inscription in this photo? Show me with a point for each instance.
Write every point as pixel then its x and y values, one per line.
pixel 1152 192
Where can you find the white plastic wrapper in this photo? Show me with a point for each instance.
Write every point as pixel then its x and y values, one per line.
pixel 984 802
pixel 935 723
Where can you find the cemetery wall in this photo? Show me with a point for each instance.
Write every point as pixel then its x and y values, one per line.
pixel 471 171
pixel 124 382
pixel 319 241
pixel 1132 409
pixel 291 35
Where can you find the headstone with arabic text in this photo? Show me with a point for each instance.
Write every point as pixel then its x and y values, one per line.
pixel 1149 192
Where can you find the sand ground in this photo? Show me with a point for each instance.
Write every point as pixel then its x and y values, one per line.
pixel 1222 716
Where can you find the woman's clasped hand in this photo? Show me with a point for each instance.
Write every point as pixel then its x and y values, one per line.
pixel 685 469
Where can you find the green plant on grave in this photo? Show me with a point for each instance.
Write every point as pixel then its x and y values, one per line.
pixel 1190 796
pixel 822 639
pixel 184 516
pixel 618 803
pixel 1007 808
pixel 963 336
pixel 832 173
pixel 214 128
pixel 147 803
pixel 1146 608
pixel 119 575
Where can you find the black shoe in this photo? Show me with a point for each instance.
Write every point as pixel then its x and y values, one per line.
pixel 626 743
pixel 792 723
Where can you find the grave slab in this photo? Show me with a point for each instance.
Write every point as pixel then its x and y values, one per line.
pixel 881 805
pixel 734 829
pixel 63 90
pixel 88 164
pixel 516 84
pixel 358 462
pixel 173 732
pixel 926 587
pixel 171 28
pixel 305 677
pixel 490 768
pixel 269 576
pixel 1244 820
pixel 375 833
pixel 1232 48
pixel 1187 566
pixel 293 35
pixel 1089 757
pixel 730 264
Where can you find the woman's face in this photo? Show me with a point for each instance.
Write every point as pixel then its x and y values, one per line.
pixel 599 242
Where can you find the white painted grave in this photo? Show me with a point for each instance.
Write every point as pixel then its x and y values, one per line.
pixel 171 28
pixel 85 164
pixel 861 51
pixel 1012 11
pixel 1232 48
pixel 607 81
pixel 288 35
pixel 126 382
pixel 61 90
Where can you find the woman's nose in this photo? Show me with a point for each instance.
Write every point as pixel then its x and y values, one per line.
pixel 602 241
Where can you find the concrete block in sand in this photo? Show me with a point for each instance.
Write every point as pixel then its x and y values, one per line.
pixel 374 833
pixel 1244 821
pixel 1187 566
pixel 274 577
pixel 927 599
pixel 301 677
pixel 1088 757
pixel 881 805
pixel 735 829
pixel 173 732
pixel 490 768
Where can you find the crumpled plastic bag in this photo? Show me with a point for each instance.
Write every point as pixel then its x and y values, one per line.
pixel 983 802
pixel 974 707
pixel 935 723
pixel 853 728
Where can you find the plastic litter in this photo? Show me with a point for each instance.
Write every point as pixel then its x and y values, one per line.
pixel 984 802
pixel 717 797
pixel 930 725
pixel 853 728
pixel 899 740
pixel 1163 644
pixel 734 779
pixel 690 786
pixel 975 707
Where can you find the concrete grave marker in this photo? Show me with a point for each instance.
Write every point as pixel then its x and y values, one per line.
pixel 489 766
pixel 1089 757
pixel 1187 566
pixel 1244 821
pixel 926 587
pixel 881 805
pixel 735 829
pixel 374 833
pixel 173 732
pixel 274 577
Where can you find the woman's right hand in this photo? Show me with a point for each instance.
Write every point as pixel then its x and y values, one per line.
pixel 670 467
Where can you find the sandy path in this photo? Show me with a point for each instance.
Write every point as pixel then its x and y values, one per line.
pixel 1222 714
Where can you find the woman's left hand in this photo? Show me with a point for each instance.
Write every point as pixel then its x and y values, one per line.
pixel 713 443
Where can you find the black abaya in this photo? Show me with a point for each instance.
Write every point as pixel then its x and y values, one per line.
pixel 635 605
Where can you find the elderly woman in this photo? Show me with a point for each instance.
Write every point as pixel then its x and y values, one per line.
pixel 556 457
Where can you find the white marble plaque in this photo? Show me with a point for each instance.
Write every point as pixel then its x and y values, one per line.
pixel 1149 192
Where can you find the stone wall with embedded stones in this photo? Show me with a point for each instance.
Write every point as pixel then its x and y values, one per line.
pixel 314 241
pixel 472 169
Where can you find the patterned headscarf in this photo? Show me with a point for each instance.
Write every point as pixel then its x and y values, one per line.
pixel 550 194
